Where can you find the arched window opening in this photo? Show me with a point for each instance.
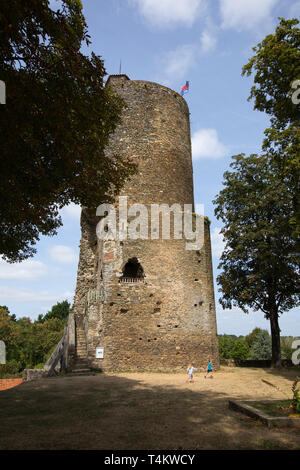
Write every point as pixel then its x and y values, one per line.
pixel 132 271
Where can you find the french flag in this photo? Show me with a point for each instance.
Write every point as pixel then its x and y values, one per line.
pixel 185 88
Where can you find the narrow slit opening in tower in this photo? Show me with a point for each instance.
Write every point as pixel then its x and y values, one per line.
pixel 132 271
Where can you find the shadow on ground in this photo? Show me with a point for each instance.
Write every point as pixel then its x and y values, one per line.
pixel 288 373
pixel 115 412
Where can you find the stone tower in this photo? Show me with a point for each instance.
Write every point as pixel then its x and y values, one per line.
pixel 147 303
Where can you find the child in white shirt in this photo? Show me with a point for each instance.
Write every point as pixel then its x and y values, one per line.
pixel 190 371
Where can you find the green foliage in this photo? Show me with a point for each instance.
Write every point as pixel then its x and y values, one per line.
pixel 296 396
pixel 28 343
pixel 260 205
pixel 259 269
pixel 232 347
pixel 283 146
pixel 61 311
pixel 240 350
pixel 259 263
pixel 261 348
pixel 237 348
pixel 276 64
pixel 251 337
pixel 286 347
pixel 10 369
pixel 55 124
pixel 39 366
pixel 226 344
pixel 256 346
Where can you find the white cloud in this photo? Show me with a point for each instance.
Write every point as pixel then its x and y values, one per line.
pixel 178 62
pixel 217 243
pixel 168 13
pixel 27 270
pixel 8 294
pixel 71 210
pixel 208 41
pixel 63 254
pixel 206 144
pixel 246 14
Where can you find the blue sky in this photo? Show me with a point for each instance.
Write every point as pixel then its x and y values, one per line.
pixel 169 41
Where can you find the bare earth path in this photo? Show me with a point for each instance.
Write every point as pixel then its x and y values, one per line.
pixel 151 411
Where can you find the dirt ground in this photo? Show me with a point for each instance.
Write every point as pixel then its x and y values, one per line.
pixel 149 411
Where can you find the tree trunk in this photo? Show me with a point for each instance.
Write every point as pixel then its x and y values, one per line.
pixel 275 334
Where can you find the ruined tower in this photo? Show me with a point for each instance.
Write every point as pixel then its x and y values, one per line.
pixel 147 303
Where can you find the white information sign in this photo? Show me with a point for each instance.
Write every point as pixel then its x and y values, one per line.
pixel 99 353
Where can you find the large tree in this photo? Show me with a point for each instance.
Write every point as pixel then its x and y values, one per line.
pixel 276 69
pixel 276 65
pixel 55 124
pixel 260 269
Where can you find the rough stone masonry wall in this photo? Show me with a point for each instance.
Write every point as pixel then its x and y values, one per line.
pixel 169 319
pixel 88 260
pixel 161 147
pixel 164 322
pixel 155 133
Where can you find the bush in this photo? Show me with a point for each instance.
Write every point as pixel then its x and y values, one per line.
pixel 262 347
pixel 296 397
pixel 226 344
pixel 12 367
pixel 29 343
pixel 240 350
pixel 286 347
pixel 39 366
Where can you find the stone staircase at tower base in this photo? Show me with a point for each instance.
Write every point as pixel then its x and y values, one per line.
pixel 81 366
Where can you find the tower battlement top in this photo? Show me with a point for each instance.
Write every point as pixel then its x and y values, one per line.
pixel 116 78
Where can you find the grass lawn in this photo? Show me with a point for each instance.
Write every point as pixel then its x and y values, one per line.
pixel 150 411
pixel 276 408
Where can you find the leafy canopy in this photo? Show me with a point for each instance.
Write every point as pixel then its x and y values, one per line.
pixel 55 124
pixel 276 67
pixel 60 310
pixel 28 343
pixel 276 64
pixel 251 337
pixel 260 267
pixel 261 348
pixel 240 350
